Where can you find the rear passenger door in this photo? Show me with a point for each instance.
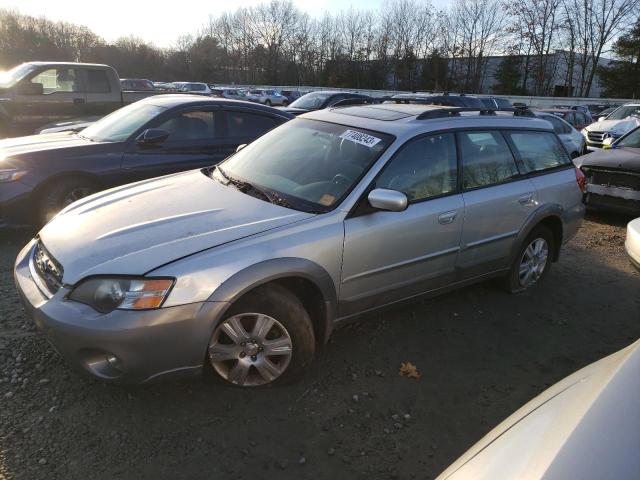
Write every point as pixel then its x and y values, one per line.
pixel 389 256
pixel 497 197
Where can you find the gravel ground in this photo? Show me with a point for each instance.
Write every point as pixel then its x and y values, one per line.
pixel 481 353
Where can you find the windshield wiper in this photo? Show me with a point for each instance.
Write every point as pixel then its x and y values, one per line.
pixel 265 194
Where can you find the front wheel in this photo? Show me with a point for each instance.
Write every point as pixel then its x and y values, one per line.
pixel 268 103
pixel 533 261
pixel 266 339
pixel 61 195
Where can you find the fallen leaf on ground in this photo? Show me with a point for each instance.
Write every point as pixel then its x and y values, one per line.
pixel 409 370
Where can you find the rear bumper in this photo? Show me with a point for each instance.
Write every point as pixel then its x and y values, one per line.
pixel 149 345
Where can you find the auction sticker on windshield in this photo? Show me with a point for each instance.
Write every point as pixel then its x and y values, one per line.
pixel 361 138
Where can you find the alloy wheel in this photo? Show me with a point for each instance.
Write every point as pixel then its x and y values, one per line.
pixel 533 262
pixel 250 349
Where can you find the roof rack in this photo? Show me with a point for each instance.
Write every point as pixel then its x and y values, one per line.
pixel 455 112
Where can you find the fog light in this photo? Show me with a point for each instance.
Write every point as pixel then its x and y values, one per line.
pixel 114 361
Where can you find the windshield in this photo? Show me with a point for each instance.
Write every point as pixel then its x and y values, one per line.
pixel 121 124
pixel 311 164
pixel 624 112
pixel 631 140
pixel 13 76
pixel 311 101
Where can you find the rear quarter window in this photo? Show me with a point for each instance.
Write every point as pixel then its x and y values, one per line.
pixel 538 151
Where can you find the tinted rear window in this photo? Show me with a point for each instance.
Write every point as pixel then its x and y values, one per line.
pixel 97 81
pixel 539 150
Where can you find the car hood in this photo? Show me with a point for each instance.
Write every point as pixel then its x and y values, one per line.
pixel 12 147
pixel 625 158
pixel 585 426
pixel 133 229
pixel 618 127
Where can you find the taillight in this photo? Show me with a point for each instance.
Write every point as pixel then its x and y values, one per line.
pixel 581 180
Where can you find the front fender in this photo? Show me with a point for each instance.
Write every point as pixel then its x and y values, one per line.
pixel 263 272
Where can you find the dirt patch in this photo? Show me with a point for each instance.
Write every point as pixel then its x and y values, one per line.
pixel 480 354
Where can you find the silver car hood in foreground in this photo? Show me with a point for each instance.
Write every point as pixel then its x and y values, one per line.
pixel 587 426
pixel 133 229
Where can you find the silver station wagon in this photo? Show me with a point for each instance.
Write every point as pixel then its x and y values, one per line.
pixel 241 270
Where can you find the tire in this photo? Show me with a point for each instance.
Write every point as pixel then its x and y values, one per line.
pixel 285 103
pixel 238 349
pixel 267 103
pixel 516 280
pixel 61 194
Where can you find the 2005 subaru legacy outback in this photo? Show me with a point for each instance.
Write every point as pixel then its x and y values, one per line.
pixel 243 268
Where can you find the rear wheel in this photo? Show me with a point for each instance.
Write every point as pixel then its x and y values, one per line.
pixel 62 194
pixel 266 339
pixel 533 261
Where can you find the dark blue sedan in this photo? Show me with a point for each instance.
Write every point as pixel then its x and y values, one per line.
pixel 41 174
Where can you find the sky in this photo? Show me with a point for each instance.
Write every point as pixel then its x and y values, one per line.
pixel 154 22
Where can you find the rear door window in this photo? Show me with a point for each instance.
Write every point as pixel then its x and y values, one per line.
pixel 248 125
pixel 486 159
pixel 97 81
pixel 539 150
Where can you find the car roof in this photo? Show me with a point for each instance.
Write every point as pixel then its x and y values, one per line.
pixel 410 119
pixel 177 100
pixel 70 64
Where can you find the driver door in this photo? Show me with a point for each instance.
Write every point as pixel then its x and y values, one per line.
pixel 194 141
pixel 390 256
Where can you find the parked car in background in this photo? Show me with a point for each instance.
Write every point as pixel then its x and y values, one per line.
pixel 324 99
pixel 39 175
pixel 291 95
pixel 74 125
pixel 622 120
pixel 37 93
pixel 193 87
pixel 571 138
pixel 165 87
pixel 603 114
pixel 632 243
pixel 235 94
pixel 613 175
pixel 137 84
pixel 245 267
pixel 577 118
pixel 447 99
pixel 267 97
pixel 587 426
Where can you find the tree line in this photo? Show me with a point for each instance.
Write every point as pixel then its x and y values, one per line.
pixel 404 45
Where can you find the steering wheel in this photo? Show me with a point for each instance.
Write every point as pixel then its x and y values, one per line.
pixel 340 178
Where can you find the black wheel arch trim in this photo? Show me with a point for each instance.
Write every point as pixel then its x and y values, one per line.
pixel 280 268
pixel 535 218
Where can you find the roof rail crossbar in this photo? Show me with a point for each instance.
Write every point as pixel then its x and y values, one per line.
pixel 455 112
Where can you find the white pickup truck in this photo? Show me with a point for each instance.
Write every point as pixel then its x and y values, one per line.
pixel 620 121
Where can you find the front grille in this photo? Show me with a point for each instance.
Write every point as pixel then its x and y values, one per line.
pixel 596 137
pixel 613 178
pixel 47 268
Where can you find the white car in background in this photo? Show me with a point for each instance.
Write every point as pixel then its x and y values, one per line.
pixel 586 427
pixel 571 138
pixel 197 88
pixel 622 120
pixel 267 97
pixel 632 244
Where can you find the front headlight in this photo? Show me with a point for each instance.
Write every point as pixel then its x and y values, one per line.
pixel 11 175
pixel 106 294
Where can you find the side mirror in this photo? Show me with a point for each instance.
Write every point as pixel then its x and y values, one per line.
pixel 389 200
pixel 28 88
pixel 240 147
pixel 152 137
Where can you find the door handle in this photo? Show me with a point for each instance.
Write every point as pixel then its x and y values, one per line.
pixel 78 101
pixel 447 217
pixel 526 199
